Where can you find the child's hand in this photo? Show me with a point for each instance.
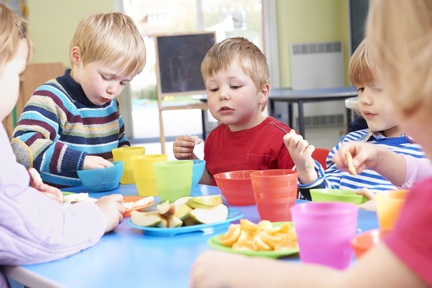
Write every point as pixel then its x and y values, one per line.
pixel 301 153
pixel 183 147
pixel 113 209
pixel 51 192
pixel 370 196
pixel 365 155
pixel 94 162
pixel 300 150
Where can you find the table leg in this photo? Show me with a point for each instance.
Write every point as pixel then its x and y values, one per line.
pixel 290 115
pixel 301 119
pixel 203 120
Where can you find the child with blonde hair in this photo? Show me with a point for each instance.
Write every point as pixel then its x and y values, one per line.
pixel 73 122
pixel 33 227
pixel 396 30
pixel 384 131
pixel 236 78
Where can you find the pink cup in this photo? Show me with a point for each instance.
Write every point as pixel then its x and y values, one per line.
pixel 324 232
pixel 275 193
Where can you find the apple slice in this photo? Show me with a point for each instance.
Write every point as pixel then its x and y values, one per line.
pixel 205 202
pixel 174 222
pixel 147 219
pixel 165 208
pixel 182 212
pixel 210 215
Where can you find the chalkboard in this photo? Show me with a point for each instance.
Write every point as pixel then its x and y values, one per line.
pixel 179 58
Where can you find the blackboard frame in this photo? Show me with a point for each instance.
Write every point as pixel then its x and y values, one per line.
pixel 178 62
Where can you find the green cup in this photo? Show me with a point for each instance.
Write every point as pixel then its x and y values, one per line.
pixel 173 179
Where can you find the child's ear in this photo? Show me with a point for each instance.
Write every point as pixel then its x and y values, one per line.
pixel 265 90
pixel 75 55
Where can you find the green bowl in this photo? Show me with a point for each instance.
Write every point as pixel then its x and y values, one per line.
pixel 336 195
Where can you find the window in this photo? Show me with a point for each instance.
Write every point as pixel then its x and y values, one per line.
pixel 228 18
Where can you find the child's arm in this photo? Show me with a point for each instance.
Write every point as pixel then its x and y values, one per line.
pixel 183 147
pixel 301 153
pixel 389 164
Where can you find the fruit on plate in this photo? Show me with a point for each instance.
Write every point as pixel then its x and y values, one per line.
pixel 205 202
pixel 166 209
pixel 174 222
pixel 264 236
pixel 211 215
pixel 148 219
pixel 184 211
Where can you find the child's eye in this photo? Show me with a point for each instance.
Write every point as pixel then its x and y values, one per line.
pixel 360 89
pixel 105 77
pixel 235 86
pixel 213 89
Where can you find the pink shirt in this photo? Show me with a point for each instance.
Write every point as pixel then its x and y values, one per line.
pixel 411 240
pixel 416 170
pixel 34 228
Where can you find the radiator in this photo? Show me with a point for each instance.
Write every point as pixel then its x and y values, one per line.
pixel 319 65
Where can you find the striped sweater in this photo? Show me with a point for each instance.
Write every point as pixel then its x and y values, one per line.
pixel 60 126
pixel 337 179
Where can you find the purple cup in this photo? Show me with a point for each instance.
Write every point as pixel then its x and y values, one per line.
pixel 324 232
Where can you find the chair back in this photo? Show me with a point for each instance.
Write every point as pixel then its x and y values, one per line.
pixel 320 155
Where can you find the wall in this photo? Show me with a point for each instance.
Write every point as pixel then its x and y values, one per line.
pixel 309 21
pixel 52 24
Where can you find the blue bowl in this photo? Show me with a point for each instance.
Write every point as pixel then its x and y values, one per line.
pixel 197 171
pixel 102 179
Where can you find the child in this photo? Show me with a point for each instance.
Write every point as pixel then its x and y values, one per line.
pixel 236 78
pixel 404 258
pixel 384 131
pixel 73 122
pixel 34 228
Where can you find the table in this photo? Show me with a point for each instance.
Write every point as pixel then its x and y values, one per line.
pixel 304 96
pixel 127 258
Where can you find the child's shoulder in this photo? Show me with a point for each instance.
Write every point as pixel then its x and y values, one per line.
pixel 272 122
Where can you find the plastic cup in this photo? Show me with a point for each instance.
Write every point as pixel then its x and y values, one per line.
pixel 389 205
pixel 125 154
pixel 324 232
pixel 275 193
pixel 198 171
pixel 142 167
pixel 173 179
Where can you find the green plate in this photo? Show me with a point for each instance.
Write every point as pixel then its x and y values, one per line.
pixel 214 243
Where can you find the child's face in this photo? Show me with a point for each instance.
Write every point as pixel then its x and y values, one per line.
pixel 100 83
pixel 377 110
pixel 9 79
pixel 233 98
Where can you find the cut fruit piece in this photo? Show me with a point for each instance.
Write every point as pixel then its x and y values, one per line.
pixel 163 223
pixel 182 212
pixel 205 202
pixel 181 201
pixel 230 237
pixel 174 222
pixel 211 215
pixel 147 219
pixel 165 208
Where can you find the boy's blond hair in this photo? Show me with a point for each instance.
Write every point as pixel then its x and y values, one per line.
pixel 111 38
pixel 12 30
pixel 362 69
pixel 400 35
pixel 240 50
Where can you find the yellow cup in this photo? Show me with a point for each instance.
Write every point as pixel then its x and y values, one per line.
pixel 125 154
pixel 142 167
pixel 389 204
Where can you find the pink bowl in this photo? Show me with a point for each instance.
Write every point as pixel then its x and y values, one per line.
pixel 236 187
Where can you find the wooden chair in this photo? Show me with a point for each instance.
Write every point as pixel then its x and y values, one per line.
pixel 320 155
pixel 35 75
